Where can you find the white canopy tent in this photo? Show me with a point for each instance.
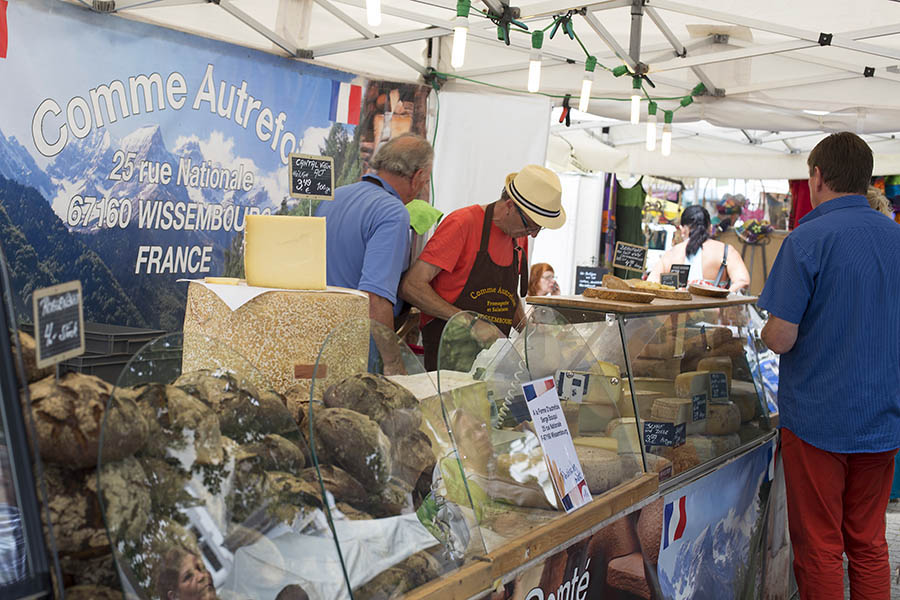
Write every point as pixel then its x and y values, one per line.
pixel 777 74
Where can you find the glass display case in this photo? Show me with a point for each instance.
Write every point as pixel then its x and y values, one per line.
pixel 693 392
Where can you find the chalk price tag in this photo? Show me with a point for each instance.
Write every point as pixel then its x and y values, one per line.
pixel 664 434
pixel 58 323
pixel 669 279
pixel 682 271
pixel 698 407
pixel 312 177
pixel 588 277
pixel 630 256
pixel 718 386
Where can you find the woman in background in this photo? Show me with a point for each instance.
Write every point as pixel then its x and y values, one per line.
pixel 183 576
pixel 542 281
pixel 711 262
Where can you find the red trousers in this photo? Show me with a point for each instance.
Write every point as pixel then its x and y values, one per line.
pixel 836 505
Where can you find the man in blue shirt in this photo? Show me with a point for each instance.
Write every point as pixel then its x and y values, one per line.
pixel 834 303
pixel 367 224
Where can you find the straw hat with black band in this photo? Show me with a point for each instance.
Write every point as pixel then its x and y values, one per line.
pixel 537 191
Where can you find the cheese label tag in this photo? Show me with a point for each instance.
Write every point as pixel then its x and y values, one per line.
pixel 698 407
pixel 572 386
pixel 718 386
pixel 664 434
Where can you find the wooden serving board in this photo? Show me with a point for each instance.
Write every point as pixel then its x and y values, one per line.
pixel 672 294
pixel 702 290
pixel 624 295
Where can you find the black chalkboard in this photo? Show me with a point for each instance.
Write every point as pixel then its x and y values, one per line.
pixel 718 386
pixel 698 407
pixel 629 256
pixel 682 271
pixel 312 177
pixel 669 279
pixel 588 277
pixel 58 323
pixel 664 434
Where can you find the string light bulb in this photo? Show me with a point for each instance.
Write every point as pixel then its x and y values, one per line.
pixel 534 64
pixel 589 65
pixel 635 100
pixel 373 12
pixel 667 134
pixel 460 33
pixel 651 127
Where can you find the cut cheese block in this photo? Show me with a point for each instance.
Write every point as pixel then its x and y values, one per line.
pixel 224 280
pixel 601 442
pixel 625 431
pixel 275 332
pixel 644 403
pixel 677 411
pixel 626 573
pixel 722 419
pixel 657 368
pixel 709 447
pixel 689 384
pixel 602 469
pixel 623 295
pixel 655 384
pixel 285 252
pixel 743 393
pixel 593 418
pixel 683 457
pixel 717 363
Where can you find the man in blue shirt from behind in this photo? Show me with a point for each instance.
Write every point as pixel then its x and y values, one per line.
pixel 834 303
pixel 367 224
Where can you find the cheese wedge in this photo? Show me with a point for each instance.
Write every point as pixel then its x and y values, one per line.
pixel 223 280
pixel 285 252
pixel 687 385
pixel 717 363
pixel 602 442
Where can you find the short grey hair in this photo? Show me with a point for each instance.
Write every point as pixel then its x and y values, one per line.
pixel 404 155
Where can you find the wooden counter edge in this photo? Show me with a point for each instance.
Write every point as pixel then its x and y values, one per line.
pixel 557 532
pixel 463 583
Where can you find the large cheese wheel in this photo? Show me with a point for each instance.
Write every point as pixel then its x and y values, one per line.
pixel 722 419
pixel 743 393
pixel 275 332
pixel 625 431
pixel 644 399
pixel 709 447
pixel 649 529
pixel 602 468
pixel 717 363
pixel 655 384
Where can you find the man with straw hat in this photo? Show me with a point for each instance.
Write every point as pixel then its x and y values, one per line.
pixel 474 259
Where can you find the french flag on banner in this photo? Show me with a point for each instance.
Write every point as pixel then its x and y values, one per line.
pixel 345 103
pixel 4 29
pixel 533 390
pixel 675 521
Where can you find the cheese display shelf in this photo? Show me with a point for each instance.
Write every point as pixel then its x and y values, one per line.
pixel 692 395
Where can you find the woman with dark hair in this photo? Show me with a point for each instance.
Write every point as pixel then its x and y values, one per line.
pixel 183 576
pixel 711 262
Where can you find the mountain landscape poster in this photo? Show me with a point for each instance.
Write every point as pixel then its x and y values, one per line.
pixel 131 159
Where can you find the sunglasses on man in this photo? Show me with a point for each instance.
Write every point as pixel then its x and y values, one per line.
pixel 530 228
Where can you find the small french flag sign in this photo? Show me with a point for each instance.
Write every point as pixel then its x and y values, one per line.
pixel 675 521
pixel 533 390
pixel 346 100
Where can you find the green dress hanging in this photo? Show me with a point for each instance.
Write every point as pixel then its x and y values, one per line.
pixel 629 219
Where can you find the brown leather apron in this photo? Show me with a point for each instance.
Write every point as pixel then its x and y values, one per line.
pixel 489 291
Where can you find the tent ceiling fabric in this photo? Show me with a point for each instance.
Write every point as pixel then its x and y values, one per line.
pixel 764 56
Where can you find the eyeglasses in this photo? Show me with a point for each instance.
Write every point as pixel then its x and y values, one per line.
pixel 529 228
pixel 548 276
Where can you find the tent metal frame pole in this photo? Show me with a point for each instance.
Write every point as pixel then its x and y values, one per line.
pixel 837 40
pixel 137 4
pixel 369 34
pixel 729 55
pixel 610 41
pixel 229 7
pixel 634 38
pixel 796 82
pixel 379 41
pixel 681 51
pixel 670 53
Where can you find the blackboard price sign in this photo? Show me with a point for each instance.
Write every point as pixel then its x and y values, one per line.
pixel 698 407
pixel 718 386
pixel 58 323
pixel 669 279
pixel 664 434
pixel 629 256
pixel 588 277
pixel 682 271
pixel 312 177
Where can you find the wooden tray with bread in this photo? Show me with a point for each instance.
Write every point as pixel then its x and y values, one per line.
pixel 605 293
pixel 708 290
pixel 647 287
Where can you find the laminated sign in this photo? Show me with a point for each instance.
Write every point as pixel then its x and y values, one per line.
pixel 556 442
pixel 58 323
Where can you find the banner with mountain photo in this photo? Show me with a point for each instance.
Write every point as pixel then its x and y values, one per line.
pixel 131 155
pixel 725 534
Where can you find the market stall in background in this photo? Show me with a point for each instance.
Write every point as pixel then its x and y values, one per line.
pixel 186 417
